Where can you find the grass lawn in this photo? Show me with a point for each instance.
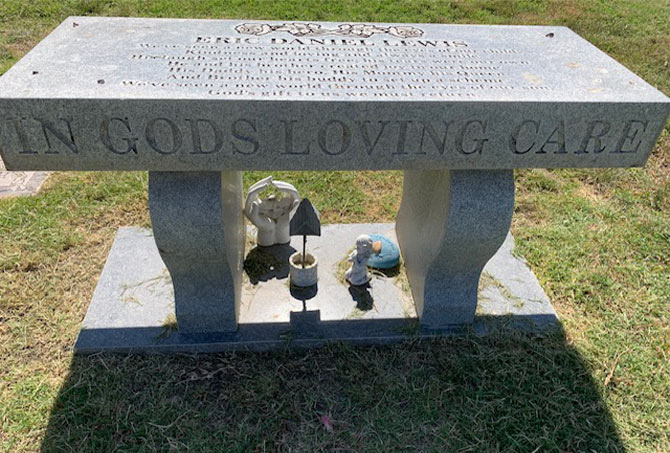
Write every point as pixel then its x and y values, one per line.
pixel 598 240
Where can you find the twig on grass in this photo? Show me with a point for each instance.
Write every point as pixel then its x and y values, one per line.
pixel 609 376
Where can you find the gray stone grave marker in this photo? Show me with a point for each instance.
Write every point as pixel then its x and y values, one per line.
pixel 20 183
pixel 196 102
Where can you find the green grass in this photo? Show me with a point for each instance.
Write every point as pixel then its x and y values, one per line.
pixel 470 395
pixel 598 240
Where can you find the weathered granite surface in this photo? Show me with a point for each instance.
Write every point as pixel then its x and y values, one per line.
pixel 175 94
pixel 450 223
pixel 132 308
pixel 199 231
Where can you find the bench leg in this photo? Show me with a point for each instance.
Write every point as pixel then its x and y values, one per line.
pixel 450 223
pixel 199 230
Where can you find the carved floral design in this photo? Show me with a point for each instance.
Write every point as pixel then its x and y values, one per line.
pixel 304 29
pixel 405 31
pixel 254 29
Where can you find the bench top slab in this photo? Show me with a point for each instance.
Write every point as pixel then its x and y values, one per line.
pixel 184 94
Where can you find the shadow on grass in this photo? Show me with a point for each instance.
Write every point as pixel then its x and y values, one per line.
pixel 504 392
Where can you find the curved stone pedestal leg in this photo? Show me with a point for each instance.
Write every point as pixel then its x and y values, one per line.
pixel 450 223
pixel 199 230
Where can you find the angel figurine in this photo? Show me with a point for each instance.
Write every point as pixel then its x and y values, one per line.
pixel 357 274
pixel 271 215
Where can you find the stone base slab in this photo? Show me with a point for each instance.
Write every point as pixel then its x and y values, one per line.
pixel 133 305
pixel 20 183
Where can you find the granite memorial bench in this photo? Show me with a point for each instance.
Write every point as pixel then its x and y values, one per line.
pixel 197 102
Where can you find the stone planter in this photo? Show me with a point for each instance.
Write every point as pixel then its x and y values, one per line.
pixel 303 277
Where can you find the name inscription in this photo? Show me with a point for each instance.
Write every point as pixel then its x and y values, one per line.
pixel 314 63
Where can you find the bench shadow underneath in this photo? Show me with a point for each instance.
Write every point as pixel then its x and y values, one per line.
pixel 505 391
